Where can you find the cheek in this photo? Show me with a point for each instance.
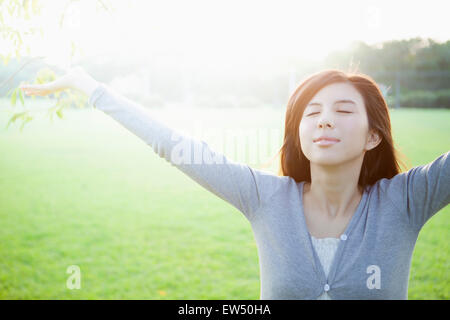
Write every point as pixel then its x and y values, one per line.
pixel 305 131
pixel 352 125
pixel 306 135
pixel 354 132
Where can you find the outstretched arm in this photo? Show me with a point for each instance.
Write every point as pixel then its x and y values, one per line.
pixel 243 187
pixel 422 191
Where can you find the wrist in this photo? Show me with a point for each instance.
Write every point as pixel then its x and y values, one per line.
pixel 84 82
pixel 87 85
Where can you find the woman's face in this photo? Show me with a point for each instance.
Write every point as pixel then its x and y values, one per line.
pixel 336 111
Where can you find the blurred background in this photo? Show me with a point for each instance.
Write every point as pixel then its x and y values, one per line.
pixel 81 190
pixel 217 54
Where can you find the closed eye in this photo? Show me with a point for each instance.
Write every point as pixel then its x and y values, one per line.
pixel 338 111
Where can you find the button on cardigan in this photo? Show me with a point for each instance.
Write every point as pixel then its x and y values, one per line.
pixel 374 260
pixel 326 249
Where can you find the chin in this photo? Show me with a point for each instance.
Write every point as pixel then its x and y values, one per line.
pixel 327 163
pixel 328 159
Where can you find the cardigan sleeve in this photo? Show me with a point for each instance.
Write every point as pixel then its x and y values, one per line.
pixel 237 183
pixel 422 191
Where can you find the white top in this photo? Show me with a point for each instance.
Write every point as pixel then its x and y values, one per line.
pixel 325 249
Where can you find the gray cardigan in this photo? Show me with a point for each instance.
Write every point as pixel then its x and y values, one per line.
pixel 373 258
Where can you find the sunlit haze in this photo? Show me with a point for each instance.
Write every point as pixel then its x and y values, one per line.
pixel 234 31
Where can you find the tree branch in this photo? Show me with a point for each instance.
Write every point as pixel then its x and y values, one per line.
pixel 15 73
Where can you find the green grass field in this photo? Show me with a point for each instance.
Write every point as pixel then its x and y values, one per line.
pixel 84 191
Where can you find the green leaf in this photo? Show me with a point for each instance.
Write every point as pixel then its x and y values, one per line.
pixel 50 113
pixel 9 92
pixel 15 117
pixel 25 120
pixel 21 97
pixel 19 37
pixel 45 75
pixel 59 113
pixel 6 59
pixel 34 6
pixel 14 97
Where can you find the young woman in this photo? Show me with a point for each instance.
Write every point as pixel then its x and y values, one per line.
pixel 339 221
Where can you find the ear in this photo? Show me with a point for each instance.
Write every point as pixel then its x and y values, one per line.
pixel 373 140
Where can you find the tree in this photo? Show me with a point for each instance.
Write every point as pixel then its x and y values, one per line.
pixel 18 21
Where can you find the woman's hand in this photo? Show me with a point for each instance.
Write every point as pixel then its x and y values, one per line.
pixel 75 78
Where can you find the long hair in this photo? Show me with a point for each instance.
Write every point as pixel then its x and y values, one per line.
pixel 379 162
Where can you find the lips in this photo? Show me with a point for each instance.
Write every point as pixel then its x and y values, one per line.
pixel 324 138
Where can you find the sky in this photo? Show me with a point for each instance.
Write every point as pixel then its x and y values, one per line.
pixel 215 30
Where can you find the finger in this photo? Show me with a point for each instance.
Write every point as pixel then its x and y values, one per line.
pixel 33 86
pixel 34 93
pixel 35 89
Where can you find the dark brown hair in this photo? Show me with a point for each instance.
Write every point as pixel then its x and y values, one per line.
pixel 379 162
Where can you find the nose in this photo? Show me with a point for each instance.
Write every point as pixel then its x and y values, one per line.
pixel 325 121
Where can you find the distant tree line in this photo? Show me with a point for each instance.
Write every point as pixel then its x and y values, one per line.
pixel 416 72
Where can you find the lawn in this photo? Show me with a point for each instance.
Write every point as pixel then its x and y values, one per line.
pixel 84 191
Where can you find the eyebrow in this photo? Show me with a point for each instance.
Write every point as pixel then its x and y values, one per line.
pixel 337 101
